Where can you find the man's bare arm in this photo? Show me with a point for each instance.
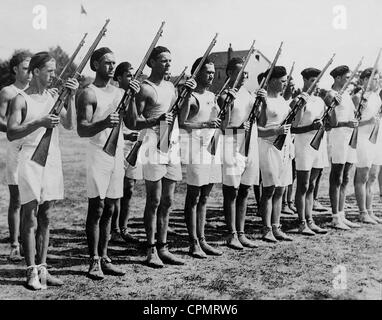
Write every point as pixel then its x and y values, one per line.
pixel 17 129
pixel 6 95
pixel 86 103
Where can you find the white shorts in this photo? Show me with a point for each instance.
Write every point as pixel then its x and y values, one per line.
pixel 202 167
pixel 37 182
pixel 339 149
pixel 12 162
pixel 365 149
pixel 306 157
pixel 275 165
pixel 131 172
pixel 104 173
pixel 238 169
pixel 156 164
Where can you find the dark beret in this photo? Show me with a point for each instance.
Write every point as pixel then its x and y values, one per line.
pixel 121 68
pixel 233 62
pixel 278 72
pixel 310 72
pixel 339 71
pixel 366 73
pixel 97 55
pixel 156 52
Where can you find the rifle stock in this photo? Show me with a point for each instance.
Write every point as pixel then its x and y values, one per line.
pixel 374 133
pixel 354 138
pixel 133 154
pixel 316 141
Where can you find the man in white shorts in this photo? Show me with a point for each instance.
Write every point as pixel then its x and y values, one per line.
pixel 275 165
pixel 19 68
pixel 39 186
pixel 341 154
pixel 123 74
pixel 161 170
pixel 199 118
pixel 367 152
pixel 239 172
pixel 309 162
pixel 96 117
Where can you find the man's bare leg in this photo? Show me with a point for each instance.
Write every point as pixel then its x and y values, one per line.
pixel 301 190
pixel 153 195
pixel 128 188
pixel 266 213
pixel 373 175
pixel 309 198
pixel 28 235
pixel 360 179
pixel 229 207
pixel 14 222
pixel 276 213
pixel 201 221
pixel 167 197
pixel 241 211
pixel 190 215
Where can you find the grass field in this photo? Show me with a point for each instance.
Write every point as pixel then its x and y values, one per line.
pixel 304 269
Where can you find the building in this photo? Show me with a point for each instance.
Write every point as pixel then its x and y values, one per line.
pixel 258 63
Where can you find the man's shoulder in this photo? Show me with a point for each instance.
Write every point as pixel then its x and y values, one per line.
pixel 8 92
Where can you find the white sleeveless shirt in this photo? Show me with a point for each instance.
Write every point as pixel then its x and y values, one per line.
pixel 36 110
pixel 165 93
pixel 107 103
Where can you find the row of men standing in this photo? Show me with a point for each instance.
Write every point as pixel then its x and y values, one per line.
pixel 27 117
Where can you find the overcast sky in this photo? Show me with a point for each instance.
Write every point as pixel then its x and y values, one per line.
pixel 312 30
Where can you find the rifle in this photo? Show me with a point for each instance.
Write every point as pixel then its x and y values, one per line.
pixel 110 146
pixel 59 80
pixel 362 105
pixel 229 100
pixel 41 153
pixel 300 103
pixel 316 141
pixel 288 79
pixel 259 102
pixel 165 136
pixel 180 77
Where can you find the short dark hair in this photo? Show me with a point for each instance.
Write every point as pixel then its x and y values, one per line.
pixel 39 60
pixel 17 58
pixel 232 63
pixel 197 61
pixel 121 69
pixel 156 52
pixel 366 73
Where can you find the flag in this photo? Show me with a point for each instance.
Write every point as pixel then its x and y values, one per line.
pixel 83 11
